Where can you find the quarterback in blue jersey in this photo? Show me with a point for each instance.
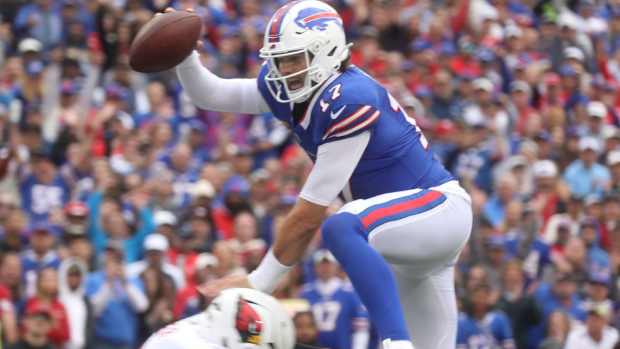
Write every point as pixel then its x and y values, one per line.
pixel 340 317
pixel 406 218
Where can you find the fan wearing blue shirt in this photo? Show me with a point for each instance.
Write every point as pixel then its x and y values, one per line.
pixel 585 176
pixel 43 189
pixel 561 295
pixel 481 327
pixel 340 316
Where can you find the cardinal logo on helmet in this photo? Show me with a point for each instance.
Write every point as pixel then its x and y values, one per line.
pixel 248 323
pixel 316 19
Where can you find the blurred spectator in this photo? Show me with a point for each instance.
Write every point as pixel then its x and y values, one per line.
pixel 47 297
pixel 37 323
pixel 596 334
pixel 160 291
pixel 8 316
pixel 76 214
pixel 15 224
pixel 251 248
pixel 117 300
pixel 155 248
pixel 520 307
pixel 228 262
pixel 560 295
pixel 41 254
pixel 44 190
pixel 585 176
pixel 234 194
pixel 188 301
pixel 306 331
pixel 199 234
pixel 40 20
pixel 112 226
pixel 72 278
pixel 557 330
pixel 494 208
pixel 493 331
pixel 341 319
pixel 11 274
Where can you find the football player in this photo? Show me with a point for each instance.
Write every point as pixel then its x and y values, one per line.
pixel 407 217
pixel 239 318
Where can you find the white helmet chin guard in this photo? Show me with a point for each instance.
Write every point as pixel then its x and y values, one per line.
pixel 243 318
pixel 308 27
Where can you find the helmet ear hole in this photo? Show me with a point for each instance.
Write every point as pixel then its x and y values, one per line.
pixel 316 47
pixel 332 51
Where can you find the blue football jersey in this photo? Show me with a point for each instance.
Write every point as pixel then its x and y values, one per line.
pixel 397 156
pixel 493 331
pixel 337 315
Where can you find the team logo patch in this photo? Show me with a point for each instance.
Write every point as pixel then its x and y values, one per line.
pixel 248 323
pixel 316 19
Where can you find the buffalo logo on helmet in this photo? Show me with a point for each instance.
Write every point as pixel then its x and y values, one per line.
pixel 316 19
pixel 248 323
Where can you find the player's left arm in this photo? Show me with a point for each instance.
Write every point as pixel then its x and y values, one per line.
pixel 335 164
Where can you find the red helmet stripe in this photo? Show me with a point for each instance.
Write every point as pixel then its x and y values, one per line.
pixel 276 22
pixel 320 15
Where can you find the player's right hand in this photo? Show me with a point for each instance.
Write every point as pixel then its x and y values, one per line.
pixel 199 43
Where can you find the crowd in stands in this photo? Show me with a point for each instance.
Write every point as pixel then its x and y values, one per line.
pixel 118 196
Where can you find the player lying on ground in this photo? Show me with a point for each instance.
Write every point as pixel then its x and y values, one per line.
pixel 239 318
pixel 404 207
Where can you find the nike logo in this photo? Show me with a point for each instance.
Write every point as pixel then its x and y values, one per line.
pixel 336 114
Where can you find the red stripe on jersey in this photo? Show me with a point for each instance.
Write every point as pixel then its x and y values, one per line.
pixel 400 207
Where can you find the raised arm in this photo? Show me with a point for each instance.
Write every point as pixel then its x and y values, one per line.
pixel 211 92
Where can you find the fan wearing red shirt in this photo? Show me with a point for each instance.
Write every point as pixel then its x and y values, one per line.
pixel 47 297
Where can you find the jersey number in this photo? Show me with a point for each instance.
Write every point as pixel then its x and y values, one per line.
pixel 335 90
pixel 326 314
pixel 396 107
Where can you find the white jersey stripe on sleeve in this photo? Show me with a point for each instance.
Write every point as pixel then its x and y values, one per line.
pixel 346 121
pixel 367 122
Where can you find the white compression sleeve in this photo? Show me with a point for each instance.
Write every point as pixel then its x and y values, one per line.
pixel 211 92
pixel 334 165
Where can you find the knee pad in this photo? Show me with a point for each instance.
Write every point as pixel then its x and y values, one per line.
pixel 339 227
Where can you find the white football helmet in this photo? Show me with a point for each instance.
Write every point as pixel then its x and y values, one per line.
pixel 243 318
pixel 310 27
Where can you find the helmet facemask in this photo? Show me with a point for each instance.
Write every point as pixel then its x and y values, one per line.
pixel 315 73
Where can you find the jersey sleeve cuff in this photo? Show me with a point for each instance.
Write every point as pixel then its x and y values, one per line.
pixel 313 199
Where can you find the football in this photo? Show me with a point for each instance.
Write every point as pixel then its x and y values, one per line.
pixel 165 41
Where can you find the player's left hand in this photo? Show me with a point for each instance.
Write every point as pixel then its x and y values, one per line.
pixel 213 288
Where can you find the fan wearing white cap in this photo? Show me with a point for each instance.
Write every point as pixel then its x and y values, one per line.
pixel 585 176
pixel 546 196
pixel 597 120
pixel 155 248
pixel 239 318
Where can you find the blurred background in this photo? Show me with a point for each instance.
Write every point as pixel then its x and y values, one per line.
pixel 118 196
